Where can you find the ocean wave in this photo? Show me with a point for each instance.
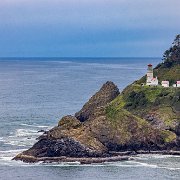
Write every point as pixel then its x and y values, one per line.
pixel 6 159
pixel 136 164
pixel 23 142
pixel 109 164
pixel 6 156
pixel 25 133
pixel 11 151
pixel 154 156
pixel 22 137
pixel 34 125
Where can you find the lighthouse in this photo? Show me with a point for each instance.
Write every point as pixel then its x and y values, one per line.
pixel 149 74
pixel 150 80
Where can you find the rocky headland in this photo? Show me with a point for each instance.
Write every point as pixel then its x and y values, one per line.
pixel 113 125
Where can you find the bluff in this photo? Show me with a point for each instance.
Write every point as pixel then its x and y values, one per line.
pixel 140 118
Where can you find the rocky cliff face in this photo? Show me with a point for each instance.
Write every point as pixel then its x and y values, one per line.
pixel 140 118
pixel 71 137
pixel 105 95
pixel 106 123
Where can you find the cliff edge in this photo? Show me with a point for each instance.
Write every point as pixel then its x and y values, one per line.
pixel 140 119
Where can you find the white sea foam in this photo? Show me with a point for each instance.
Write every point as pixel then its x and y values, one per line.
pixel 22 137
pixel 6 159
pixel 6 156
pixel 27 137
pixel 154 156
pixel 20 142
pixel 25 132
pixel 34 125
pixel 12 151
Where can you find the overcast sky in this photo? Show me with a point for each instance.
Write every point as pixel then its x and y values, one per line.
pixel 88 28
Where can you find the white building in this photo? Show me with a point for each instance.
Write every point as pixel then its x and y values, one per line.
pixel 165 83
pixel 151 81
pixel 178 83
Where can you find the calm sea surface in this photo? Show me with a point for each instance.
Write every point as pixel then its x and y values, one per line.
pixel 36 93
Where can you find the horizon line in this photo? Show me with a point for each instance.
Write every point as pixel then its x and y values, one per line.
pixel 98 57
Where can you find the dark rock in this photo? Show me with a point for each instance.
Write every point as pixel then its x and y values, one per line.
pixel 69 121
pixel 103 125
pixel 59 147
pixel 42 131
pixel 177 130
pixel 83 160
pixel 105 95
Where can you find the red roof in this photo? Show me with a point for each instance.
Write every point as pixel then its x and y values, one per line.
pixel 149 64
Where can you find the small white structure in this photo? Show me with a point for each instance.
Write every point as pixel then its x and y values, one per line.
pixel 165 83
pixel 151 81
pixel 174 85
pixel 178 83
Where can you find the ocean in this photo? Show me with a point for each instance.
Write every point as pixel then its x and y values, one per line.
pixel 36 92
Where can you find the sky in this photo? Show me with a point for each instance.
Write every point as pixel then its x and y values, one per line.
pixel 87 28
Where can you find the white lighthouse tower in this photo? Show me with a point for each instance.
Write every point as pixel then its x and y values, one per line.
pixel 149 74
pixel 151 81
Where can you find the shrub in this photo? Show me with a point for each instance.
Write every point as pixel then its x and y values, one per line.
pixel 136 99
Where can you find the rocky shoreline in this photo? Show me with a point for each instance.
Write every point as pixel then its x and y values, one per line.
pixel 132 153
pixel 111 127
pixel 114 157
pixel 84 160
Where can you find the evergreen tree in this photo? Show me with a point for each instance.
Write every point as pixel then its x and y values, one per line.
pixel 173 53
pixel 177 41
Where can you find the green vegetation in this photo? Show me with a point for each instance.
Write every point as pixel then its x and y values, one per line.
pixel 172 54
pixel 168 136
pixel 136 96
pixel 171 74
pixel 126 128
pixel 169 69
pixel 141 117
pixel 162 105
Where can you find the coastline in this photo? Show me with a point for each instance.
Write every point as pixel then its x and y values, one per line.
pixel 115 156
pixel 83 160
pixel 60 144
pixel 115 126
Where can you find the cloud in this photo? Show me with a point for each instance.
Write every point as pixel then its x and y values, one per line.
pixel 94 12
pixel 81 23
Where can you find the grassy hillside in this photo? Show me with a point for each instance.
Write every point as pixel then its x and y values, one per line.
pixel 158 107
pixel 171 74
pixel 141 117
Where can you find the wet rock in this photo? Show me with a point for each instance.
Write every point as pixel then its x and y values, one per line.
pixel 102 125
pixel 83 160
pixel 59 147
pixel 43 131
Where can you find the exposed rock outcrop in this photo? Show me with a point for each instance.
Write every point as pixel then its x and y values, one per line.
pixel 141 119
pixel 108 127
pixel 72 138
pixel 105 95
pixel 82 160
pixel 59 147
